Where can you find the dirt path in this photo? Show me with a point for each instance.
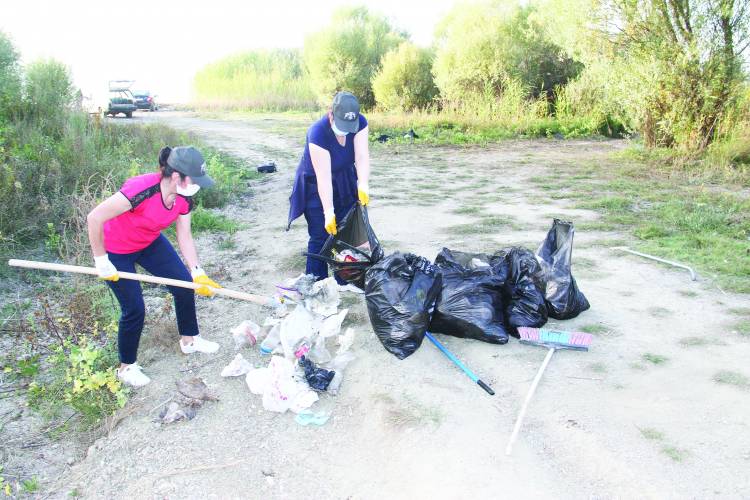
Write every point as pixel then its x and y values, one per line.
pixel 609 423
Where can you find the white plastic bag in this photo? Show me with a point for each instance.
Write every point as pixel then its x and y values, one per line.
pixel 297 328
pixel 245 334
pixel 238 366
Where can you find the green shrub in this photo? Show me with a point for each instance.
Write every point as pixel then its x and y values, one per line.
pixel 48 94
pixel 272 80
pixel 347 54
pixel 486 50
pixel 10 78
pixel 405 81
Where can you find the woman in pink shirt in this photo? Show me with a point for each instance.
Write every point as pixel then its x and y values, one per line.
pixel 125 230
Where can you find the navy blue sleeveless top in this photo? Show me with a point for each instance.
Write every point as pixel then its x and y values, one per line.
pixel 343 173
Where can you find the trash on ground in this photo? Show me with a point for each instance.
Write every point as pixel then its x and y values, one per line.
pixel 307 417
pixel 238 366
pixel 267 168
pixel 401 291
pixel 196 388
pixel 471 299
pixel 245 334
pixel 280 388
pixel 317 378
pixel 175 413
pixel 338 364
pixel 563 298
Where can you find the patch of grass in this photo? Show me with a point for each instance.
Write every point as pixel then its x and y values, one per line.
pixel 676 454
pixel 655 359
pixel 742 327
pixel 203 220
pixel 693 341
pixel 688 293
pixel 30 485
pixel 732 378
pixel 468 210
pixel 740 311
pixel 486 224
pixel 595 329
pixel 659 312
pixel 227 243
pixel 652 434
pixel 597 367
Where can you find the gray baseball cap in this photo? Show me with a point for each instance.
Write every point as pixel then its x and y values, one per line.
pixel 189 161
pixel 346 112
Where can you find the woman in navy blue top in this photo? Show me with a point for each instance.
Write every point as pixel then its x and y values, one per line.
pixel 332 175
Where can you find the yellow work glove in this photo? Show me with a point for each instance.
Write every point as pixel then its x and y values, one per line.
pixel 330 221
pixel 105 268
pixel 200 278
pixel 363 191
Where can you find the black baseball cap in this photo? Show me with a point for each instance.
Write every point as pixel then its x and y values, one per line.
pixel 346 112
pixel 189 161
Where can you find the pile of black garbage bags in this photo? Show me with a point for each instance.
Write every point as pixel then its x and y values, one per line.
pixel 478 296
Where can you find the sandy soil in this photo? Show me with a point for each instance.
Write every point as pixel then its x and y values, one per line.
pixel 607 423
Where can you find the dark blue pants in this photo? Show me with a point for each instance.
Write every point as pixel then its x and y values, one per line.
pixel 159 259
pixel 316 228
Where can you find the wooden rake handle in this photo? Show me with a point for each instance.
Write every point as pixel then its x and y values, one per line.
pixel 225 292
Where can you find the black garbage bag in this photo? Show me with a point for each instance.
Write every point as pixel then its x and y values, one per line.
pixel 471 298
pixel 401 291
pixel 354 248
pixel 524 288
pixel 564 299
pixel 317 378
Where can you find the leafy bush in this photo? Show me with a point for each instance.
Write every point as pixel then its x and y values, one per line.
pixel 10 78
pixel 405 81
pixel 484 49
pixel 48 94
pixel 346 55
pixel 272 80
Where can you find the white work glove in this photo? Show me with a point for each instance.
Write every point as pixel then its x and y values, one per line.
pixel 330 221
pixel 107 271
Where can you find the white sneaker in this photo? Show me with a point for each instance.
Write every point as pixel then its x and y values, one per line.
pixel 199 345
pixel 132 375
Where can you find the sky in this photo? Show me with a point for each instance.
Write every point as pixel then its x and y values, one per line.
pixel 162 43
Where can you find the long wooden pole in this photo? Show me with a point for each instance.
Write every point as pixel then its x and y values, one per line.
pixel 65 268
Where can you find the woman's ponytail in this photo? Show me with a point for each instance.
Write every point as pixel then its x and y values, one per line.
pixel 166 170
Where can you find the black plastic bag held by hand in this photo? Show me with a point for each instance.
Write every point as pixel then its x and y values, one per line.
pixel 471 301
pixel 401 291
pixel 564 300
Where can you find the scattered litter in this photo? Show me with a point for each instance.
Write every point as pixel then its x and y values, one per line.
pixel 307 417
pixel 401 292
pixel 245 334
pixel 280 389
pixel 174 413
pixel 350 288
pixel 195 388
pixel 331 325
pixel 323 298
pixel 297 331
pixel 345 341
pixel 338 365
pixel 563 298
pixel 317 378
pixel 267 168
pixel 238 366
pixel 272 340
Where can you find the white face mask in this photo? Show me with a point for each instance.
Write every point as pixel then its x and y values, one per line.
pixel 188 191
pixel 337 131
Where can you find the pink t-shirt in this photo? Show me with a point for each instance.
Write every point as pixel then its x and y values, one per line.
pixel 137 228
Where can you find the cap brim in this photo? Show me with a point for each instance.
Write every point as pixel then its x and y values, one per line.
pixel 203 181
pixel 350 127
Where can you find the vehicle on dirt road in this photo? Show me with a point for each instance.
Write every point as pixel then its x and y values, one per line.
pixel 121 100
pixel 145 100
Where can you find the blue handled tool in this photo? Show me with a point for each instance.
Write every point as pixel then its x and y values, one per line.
pixel 455 360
